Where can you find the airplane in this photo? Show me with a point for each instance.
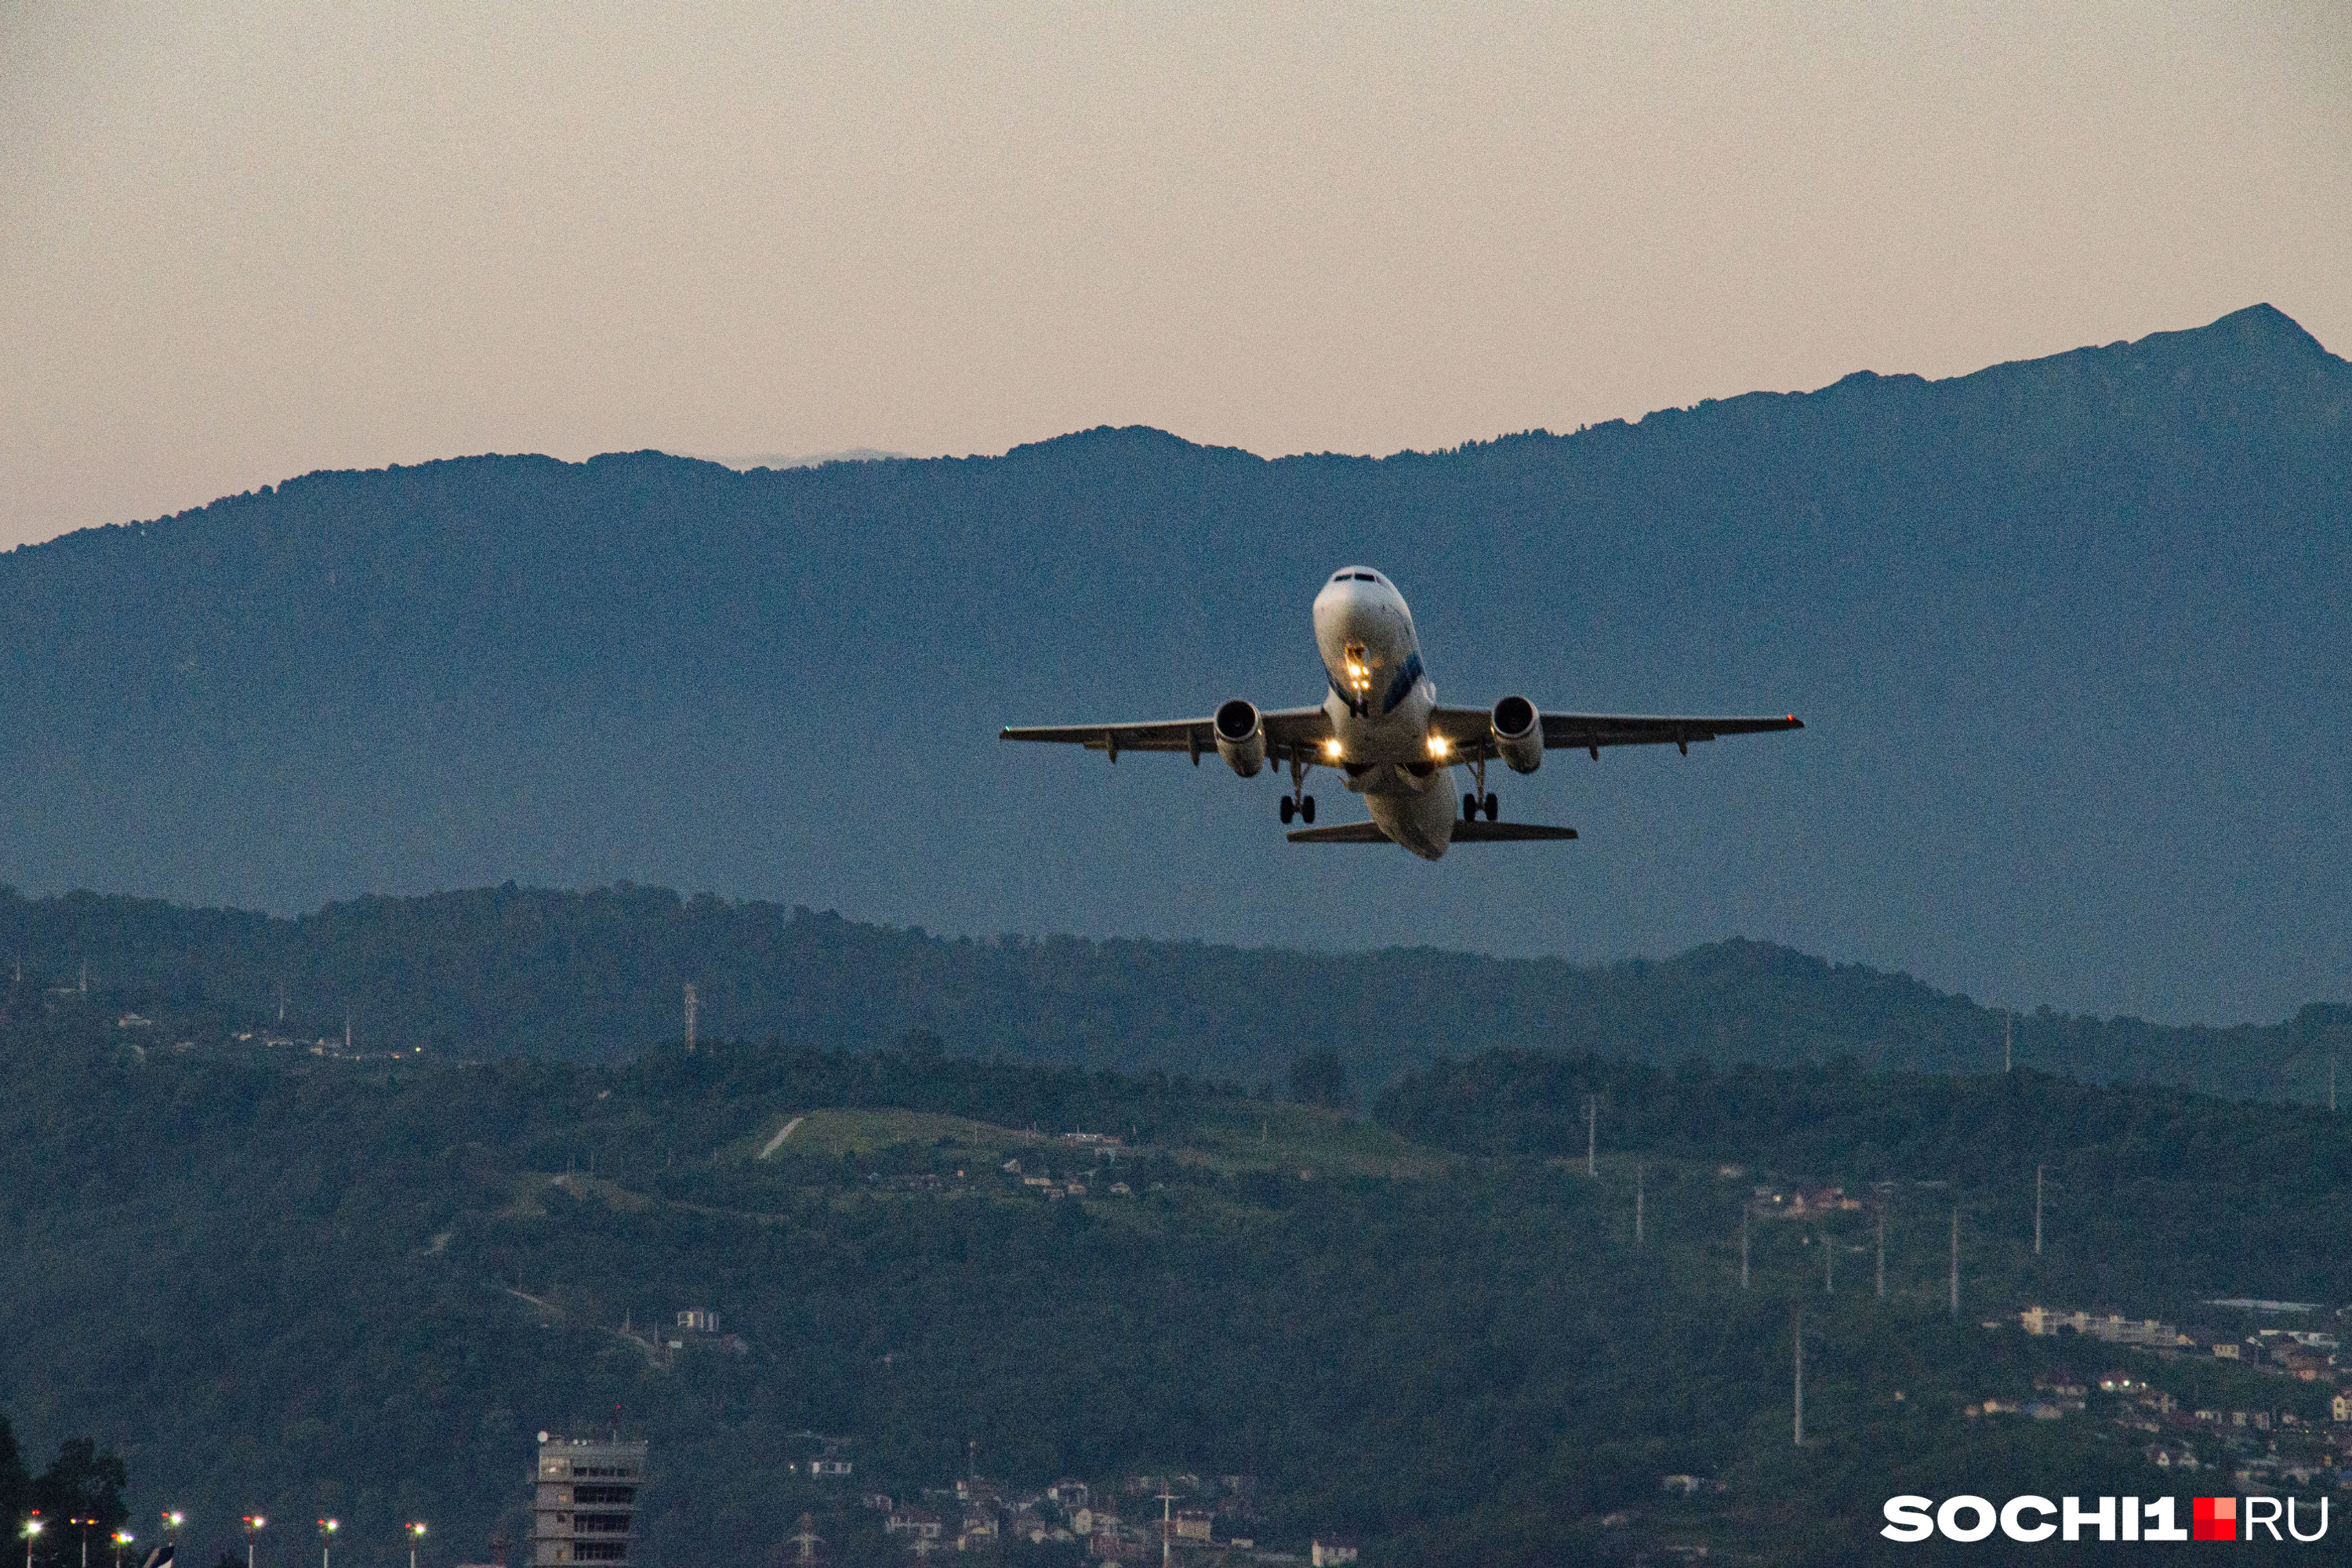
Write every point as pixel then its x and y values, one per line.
pixel 1382 728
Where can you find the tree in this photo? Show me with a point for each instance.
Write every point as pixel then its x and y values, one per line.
pixel 1318 1076
pixel 80 1483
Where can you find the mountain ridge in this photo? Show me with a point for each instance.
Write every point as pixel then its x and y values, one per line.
pixel 598 976
pixel 2049 623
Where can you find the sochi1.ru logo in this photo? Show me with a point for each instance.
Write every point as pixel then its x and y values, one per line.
pixel 2032 1519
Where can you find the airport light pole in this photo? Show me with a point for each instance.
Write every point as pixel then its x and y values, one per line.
pixel 253 1524
pixel 32 1529
pixel 173 1519
pixel 84 1524
pixel 327 1528
pixel 415 1534
pixel 123 1538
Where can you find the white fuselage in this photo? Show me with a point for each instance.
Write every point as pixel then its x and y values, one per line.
pixel 1380 702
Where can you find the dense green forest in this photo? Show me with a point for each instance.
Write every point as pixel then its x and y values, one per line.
pixel 2066 636
pixel 502 972
pixel 267 1280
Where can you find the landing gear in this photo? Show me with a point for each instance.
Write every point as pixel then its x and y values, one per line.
pixel 1478 800
pixel 1297 803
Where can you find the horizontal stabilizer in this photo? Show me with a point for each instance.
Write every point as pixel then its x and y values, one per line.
pixel 1506 832
pixel 1345 833
pixel 1464 832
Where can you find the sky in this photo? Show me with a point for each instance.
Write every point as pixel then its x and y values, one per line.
pixel 241 242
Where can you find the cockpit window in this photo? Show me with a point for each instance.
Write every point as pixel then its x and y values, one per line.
pixel 1338 576
pixel 1366 578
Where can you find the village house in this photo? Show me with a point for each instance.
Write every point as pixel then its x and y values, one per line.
pixel 1195 1524
pixel 1330 1553
pixel 918 1523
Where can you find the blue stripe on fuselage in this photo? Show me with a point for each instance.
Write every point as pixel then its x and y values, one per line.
pixel 1403 684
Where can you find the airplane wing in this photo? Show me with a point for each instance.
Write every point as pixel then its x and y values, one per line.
pixel 1468 731
pixel 1285 729
pixel 1464 832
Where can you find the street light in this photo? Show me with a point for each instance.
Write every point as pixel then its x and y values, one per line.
pixel 85 1524
pixel 253 1524
pixel 327 1528
pixel 415 1534
pixel 123 1538
pixel 32 1529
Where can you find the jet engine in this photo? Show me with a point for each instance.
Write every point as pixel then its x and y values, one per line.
pixel 1518 734
pixel 1241 738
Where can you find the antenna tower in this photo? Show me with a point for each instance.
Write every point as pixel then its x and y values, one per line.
pixel 1591 1120
pixel 2007 1040
pixel 1743 1245
pixel 2037 1211
pixel 1829 1263
pixel 690 1004
pixel 1881 1253
pixel 1799 1336
pixel 1637 1205
pixel 1956 1262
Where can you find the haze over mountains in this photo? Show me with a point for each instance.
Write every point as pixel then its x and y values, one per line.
pixel 2068 635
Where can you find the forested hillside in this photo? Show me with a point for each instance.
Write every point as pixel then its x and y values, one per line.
pixel 517 972
pixel 2067 635
pixel 271 1281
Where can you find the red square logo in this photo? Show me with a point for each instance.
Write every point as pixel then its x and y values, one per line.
pixel 2213 1519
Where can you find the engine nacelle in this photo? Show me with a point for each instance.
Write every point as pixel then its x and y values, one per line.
pixel 1241 738
pixel 1518 734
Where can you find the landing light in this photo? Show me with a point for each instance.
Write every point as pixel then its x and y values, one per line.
pixel 1437 745
pixel 1331 750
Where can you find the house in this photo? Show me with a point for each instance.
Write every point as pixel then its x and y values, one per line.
pixel 979 1531
pixel 2340 1409
pixel 1330 1553
pixel 1195 1524
pixel 2226 1349
pixel 1069 1492
pixel 921 1523
pixel 698 1320
pixel 829 1467
pixel 878 1502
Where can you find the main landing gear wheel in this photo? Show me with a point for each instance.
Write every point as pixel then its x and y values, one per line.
pixel 1287 810
pixel 1469 806
pixel 1493 808
pixel 1306 809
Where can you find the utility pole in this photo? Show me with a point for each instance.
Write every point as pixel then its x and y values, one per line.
pixel 1591 1120
pixel 2037 1211
pixel 1955 1263
pixel 1799 1336
pixel 2331 1083
pixel 689 1015
pixel 2007 1040
pixel 1637 1205
pixel 1167 1496
pixel 1828 1265
pixel 1743 1245
pixel 1881 1253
